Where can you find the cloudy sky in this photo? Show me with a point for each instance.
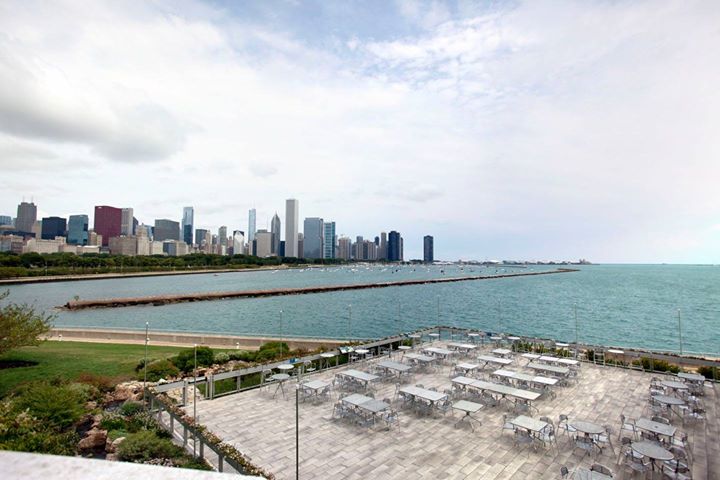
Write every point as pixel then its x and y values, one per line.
pixel 520 129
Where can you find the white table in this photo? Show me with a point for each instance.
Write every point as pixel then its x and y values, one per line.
pixel 693 377
pixel 505 390
pixel 531 356
pixel 669 402
pixel 442 352
pixel 490 359
pixel 429 395
pixel 466 368
pixel 674 385
pixel 463 347
pixel 280 378
pixel 327 356
pixel 502 352
pixel 285 367
pixel 529 423
pixel 395 366
pixel 655 427
pixel 469 408
pixel 419 358
pixel 550 368
pixel 355 399
pixel 652 451
pixel 582 473
pixel 314 387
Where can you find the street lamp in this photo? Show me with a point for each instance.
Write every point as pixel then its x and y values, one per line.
pixel 349 322
pixel 576 329
pixel 680 332
pixel 297 431
pixel 195 401
pixel 281 333
pixel 147 325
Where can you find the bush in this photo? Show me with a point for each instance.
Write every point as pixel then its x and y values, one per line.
pixel 649 364
pixel 159 369
pixel 58 406
pixel 141 363
pixel 185 360
pixel 709 372
pixel 145 445
pixel 130 408
pixel 101 382
pixel 23 432
pixel 222 357
pixel 243 355
pixel 113 421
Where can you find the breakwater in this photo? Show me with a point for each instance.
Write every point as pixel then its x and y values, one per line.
pixel 205 296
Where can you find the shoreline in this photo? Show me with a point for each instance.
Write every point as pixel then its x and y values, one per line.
pixel 158 300
pixel 180 339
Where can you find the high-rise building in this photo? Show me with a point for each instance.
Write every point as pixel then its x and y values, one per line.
pixel 166 230
pixel 344 248
pixel 127 227
pixel 301 245
pixel 292 212
pixel 77 232
pixel 26 217
pixel 393 253
pixel 94 239
pixel 222 241
pixel 53 227
pixel 252 228
pixel 200 237
pixel 329 240
pixel 238 242
pixel 123 245
pixel 275 230
pixel 281 252
pixel 263 243
pixel 6 220
pixel 108 221
pixel 382 251
pixel 313 238
pixel 188 220
pixel 358 248
pixel 428 247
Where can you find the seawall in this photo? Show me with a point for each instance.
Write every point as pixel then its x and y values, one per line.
pixel 204 296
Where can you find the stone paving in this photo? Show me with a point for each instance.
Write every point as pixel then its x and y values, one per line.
pixel 263 428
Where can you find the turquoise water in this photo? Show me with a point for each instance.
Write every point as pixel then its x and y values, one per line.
pixel 622 305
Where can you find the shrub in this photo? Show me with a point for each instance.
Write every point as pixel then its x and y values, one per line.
pixel 58 406
pixel 159 369
pixel 130 408
pixel 658 365
pixel 141 363
pixel 101 382
pixel 243 355
pixel 709 372
pixel 185 360
pixel 222 357
pixel 23 432
pixel 113 421
pixel 144 445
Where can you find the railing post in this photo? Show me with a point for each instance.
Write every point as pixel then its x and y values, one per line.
pixel 220 462
pixel 185 436
pixel 184 391
pixel 202 448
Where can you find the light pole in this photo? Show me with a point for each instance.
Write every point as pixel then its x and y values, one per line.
pixel 349 322
pixel 438 310
pixel 680 331
pixel 195 401
pixel 297 432
pixel 147 324
pixel 281 334
pixel 576 329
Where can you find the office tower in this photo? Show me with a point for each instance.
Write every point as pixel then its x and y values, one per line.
pixel 428 254
pixel 143 240
pixel 188 220
pixel 402 248
pixel 301 245
pixel 207 242
pixel 263 243
pixel 275 230
pixel 77 232
pixel 145 230
pixel 108 221
pixel 393 250
pixel 382 252
pixel 313 237
pixel 26 217
pixel 6 220
pixel 53 227
pixel 166 230
pixel 358 250
pixel 174 248
pixel 238 242
pixel 344 248
pixel 222 241
pixel 200 237
pixel 292 211
pixel 251 225
pixel 123 245
pixel 281 252
pixel 329 240
pixel 94 239
pixel 126 222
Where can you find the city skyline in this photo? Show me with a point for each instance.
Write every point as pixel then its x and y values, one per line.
pixel 537 130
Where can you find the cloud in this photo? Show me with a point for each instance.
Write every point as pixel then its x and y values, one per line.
pixel 262 169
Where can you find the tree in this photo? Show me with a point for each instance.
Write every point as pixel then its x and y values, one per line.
pixel 21 325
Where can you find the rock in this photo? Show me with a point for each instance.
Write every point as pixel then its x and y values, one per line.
pixel 112 457
pixel 96 419
pixel 111 446
pixel 94 439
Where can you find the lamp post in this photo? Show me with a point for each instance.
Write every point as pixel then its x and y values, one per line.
pixel 680 331
pixel 349 322
pixel 297 432
pixel 281 333
pixel 576 329
pixel 195 400
pixel 147 325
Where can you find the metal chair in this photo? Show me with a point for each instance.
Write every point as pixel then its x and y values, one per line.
pixel 564 425
pixel 597 467
pixel 564 472
pixel 628 425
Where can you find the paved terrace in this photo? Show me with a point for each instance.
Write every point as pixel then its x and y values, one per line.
pixel 263 427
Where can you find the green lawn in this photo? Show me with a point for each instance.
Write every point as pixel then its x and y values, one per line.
pixel 70 359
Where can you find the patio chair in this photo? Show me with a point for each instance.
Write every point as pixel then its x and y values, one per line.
pixel 564 425
pixel 522 437
pixel 671 474
pixel 680 462
pixel 547 436
pixel 597 467
pixel 659 419
pixel 605 438
pixel 547 420
pixel 625 449
pixel 681 441
pixel 391 417
pixel 507 425
pixel 628 425
pixel 638 465
pixel 444 406
pixel 584 443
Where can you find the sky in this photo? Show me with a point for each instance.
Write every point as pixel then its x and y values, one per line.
pixel 535 130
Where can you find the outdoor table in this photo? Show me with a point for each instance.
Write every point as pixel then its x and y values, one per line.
pixel 358 375
pixel 430 395
pixel 548 359
pixel 434 336
pixel 582 473
pixel 374 406
pixel 562 344
pixel 465 347
pixel 567 361
pixel 415 337
pixel 616 351
pixel 469 408
pixel 669 401
pixel 674 385
pixel 544 380
pixel 490 359
pixel 502 351
pixel 550 368
pixel 355 399
pixel 314 387
pixel 496 339
pixel 529 423
pixel 327 356
pixel 362 351
pixel 466 367
pixel 655 427
pixel 443 352
pixel 587 428
pixel 404 347
pixel 473 337
pixel 463 380
pixel 693 377
pixel 531 356
pixel 505 390
pixel 653 451
pixel 514 339
pixel 280 378
pixel 397 367
pixel 419 358
pixel 286 367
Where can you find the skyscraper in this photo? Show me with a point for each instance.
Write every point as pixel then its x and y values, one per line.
pixel 428 254
pixel 6 220
pixel 77 233
pixel 329 240
pixel 292 212
pixel 126 222
pixel 393 250
pixel 200 237
pixel 382 253
pixel 222 239
pixel 313 238
pixel 188 220
pixel 108 221
pixel 26 217
pixel 53 227
pixel 166 230
pixel 251 225
pixel 275 230
pixel 263 243
pixel 344 248
pixel 238 242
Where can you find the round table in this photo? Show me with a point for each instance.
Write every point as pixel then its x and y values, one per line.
pixel 362 351
pixel 674 385
pixel 327 356
pixel 652 450
pixel 588 428
pixel 514 339
pixel 404 347
pixel 281 378
pixel 473 337
pixel 286 367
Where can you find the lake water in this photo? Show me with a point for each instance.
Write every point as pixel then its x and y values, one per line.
pixel 621 305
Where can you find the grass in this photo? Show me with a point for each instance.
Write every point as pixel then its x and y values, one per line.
pixel 69 359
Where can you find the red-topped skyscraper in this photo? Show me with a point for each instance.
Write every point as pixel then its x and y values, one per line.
pixel 108 222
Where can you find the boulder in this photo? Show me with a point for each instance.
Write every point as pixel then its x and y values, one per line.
pixel 112 457
pixel 111 446
pixel 94 439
